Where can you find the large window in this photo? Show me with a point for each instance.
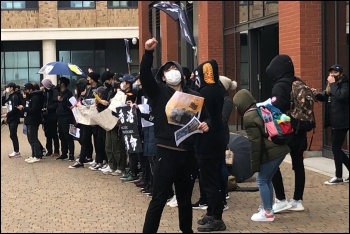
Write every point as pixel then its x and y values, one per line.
pixel 122 4
pixel 19 5
pixel 20 67
pixel 76 4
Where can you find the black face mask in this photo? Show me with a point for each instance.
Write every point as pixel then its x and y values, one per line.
pixel 108 85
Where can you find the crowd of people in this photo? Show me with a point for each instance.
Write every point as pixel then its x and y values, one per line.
pixel 164 170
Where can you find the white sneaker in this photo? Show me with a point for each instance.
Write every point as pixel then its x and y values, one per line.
pixel 173 204
pixel 225 207
pixel 296 205
pixel 334 181
pixel 346 180
pixel 171 200
pixel 34 160
pixel 261 216
pixel 14 154
pixel 105 168
pixel 281 205
pixel 107 172
pixel 28 159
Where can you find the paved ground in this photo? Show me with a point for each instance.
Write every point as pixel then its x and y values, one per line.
pixel 49 197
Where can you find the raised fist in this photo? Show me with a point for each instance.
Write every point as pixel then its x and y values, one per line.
pixel 150 44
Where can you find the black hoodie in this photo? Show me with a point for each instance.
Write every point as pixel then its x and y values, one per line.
pixel 159 95
pixel 281 70
pixel 63 111
pixel 13 113
pixel 32 108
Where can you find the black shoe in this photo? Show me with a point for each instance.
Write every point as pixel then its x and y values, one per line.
pixel 62 157
pixel 212 225
pixel 88 160
pixel 48 154
pixel 205 220
pixel 71 158
pixel 76 165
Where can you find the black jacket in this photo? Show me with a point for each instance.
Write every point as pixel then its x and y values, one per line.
pixel 63 111
pixel 13 113
pixel 50 103
pixel 159 95
pixel 281 70
pixel 336 104
pixel 32 108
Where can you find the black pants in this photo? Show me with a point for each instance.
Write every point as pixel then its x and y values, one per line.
pixel 223 185
pixel 297 146
pixel 133 163
pixel 32 135
pixel 340 158
pixel 50 130
pixel 13 135
pixel 146 169
pixel 99 142
pixel 171 167
pixel 210 179
pixel 86 143
pixel 67 142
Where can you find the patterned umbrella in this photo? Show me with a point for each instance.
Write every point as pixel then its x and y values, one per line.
pixel 61 68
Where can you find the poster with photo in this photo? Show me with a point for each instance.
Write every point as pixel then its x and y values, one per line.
pixel 182 107
pixel 128 125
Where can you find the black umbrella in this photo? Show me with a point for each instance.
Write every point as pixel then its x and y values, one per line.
pixel 240 146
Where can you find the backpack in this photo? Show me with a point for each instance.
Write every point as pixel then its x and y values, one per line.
pixel 277 125
pixel 302 107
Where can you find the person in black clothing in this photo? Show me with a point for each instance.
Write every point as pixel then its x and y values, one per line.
pixel 64 119
pixel 336 98
pixel 50 117
pixel 13 117
pixel 39 90
pixel 211 146
pixel 281 71
pixel 174 164
pixel 32 120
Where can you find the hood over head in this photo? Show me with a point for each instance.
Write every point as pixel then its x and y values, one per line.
pixel 280 66
pixel 206 73
pixel 167 65
pixel 243 100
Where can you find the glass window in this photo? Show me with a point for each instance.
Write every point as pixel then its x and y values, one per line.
pixel 75 4
pixel 64 56
pixel 83 57
pixel 256 10
pixel 244 57
pixel 20 67
pixel 122 4
pixel 99 57
pixel 18 5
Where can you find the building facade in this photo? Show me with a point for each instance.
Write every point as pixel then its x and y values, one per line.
pixel 244 36
pixel 85 33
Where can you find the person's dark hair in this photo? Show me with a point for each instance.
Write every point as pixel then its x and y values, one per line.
pixel 81 86
pixel 35 86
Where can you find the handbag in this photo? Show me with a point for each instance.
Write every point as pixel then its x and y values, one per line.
pixel 229 157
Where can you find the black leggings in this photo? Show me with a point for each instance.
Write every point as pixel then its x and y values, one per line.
pixel 340 158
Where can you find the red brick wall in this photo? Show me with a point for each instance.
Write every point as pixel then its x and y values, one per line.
pixel 300 37
pixel 169 36
pixel 210 32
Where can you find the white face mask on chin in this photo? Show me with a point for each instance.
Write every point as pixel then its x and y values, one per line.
pixel 173 77
pixel 7 90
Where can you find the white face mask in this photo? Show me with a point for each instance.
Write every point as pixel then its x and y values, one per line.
pixel 75 92
pixel 8 90
pixel 173 77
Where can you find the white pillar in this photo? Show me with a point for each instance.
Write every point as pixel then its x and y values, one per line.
pixel 49 55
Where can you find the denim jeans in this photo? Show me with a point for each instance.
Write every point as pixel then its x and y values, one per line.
pixel 264 180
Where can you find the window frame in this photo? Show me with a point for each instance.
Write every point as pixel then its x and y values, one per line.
pixel 67 5
pixel 28 5
pixel 130 5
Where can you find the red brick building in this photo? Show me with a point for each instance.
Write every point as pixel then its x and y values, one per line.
pixel 243 36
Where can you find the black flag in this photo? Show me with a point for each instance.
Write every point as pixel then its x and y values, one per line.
pixel 169 9
pixel 186 30
pixel 177 13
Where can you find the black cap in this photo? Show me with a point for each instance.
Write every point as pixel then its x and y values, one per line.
pixel 127 78
pixel 64 80
pixel 94 75
pixel 107 75
pixel 28 86
pixel 13 85
pixel 336 67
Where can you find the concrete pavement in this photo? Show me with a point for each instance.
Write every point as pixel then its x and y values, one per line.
pixel 48 197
